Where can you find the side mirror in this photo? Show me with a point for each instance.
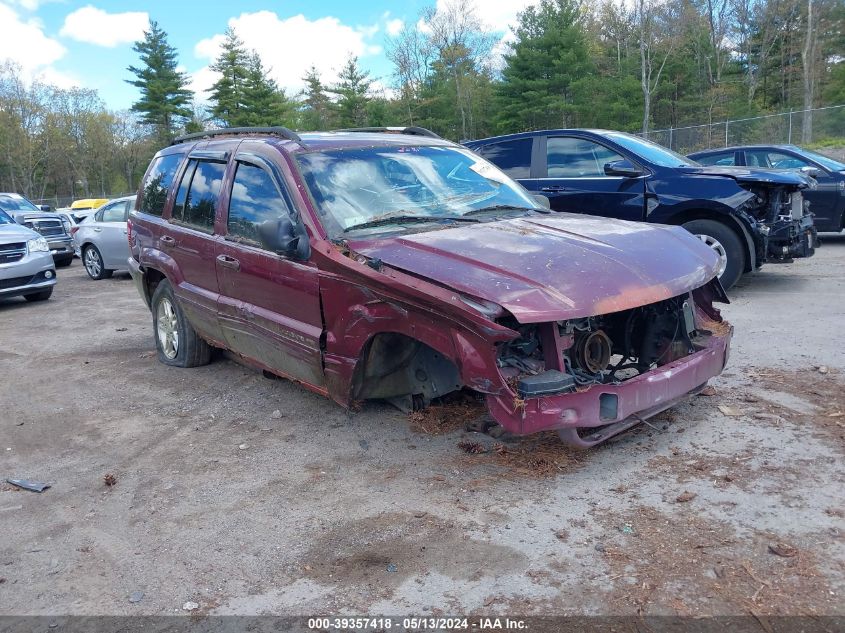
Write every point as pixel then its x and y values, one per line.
pixel 542 200
pixel 285 236
pixel 809 170
pixel 623 168
pixel 45 207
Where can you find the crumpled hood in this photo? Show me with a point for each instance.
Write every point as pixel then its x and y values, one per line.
pixel 10 233
pixel 751 175
pixel 550 268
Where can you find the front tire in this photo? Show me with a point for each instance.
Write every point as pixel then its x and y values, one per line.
pixel 177 343
pixel 63 263
pixel 94 263
pixel 726 244
pixel 39 296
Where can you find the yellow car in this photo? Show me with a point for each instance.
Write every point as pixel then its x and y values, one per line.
pixel 88 203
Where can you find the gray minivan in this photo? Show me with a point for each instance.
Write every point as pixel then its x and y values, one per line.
pixel 26 264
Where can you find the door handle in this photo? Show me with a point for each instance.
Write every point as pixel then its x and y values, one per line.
pixel 97 229
pixel 553 188
pixel 229 262
pixel 167 240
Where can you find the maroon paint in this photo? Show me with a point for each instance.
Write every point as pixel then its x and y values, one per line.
pixel 539 269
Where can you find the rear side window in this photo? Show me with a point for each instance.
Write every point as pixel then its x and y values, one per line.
pixel 198 192
pixel 577 158
pixel 157 183
pixel 255 200
pixel 724 159
pixel 512 157
pixel 114 213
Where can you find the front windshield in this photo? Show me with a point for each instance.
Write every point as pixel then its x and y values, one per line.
pixel 353 187
pixel 16 203
pixel 651 152
pixel 5 219
pixel 826 161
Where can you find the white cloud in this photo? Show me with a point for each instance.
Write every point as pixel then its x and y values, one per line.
pixel 290 46
pixel 394 27
pixel 24 42
pixel 95 26
pixel 50 75
pixel 499 16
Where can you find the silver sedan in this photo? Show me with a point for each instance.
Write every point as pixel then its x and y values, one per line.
pixel 102 238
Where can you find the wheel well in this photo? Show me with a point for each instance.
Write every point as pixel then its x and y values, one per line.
pixel 395 366
pixel 728 221
pixel 152 278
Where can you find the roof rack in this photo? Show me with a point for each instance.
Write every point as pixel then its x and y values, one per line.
pixel 412 130
pixel 283 132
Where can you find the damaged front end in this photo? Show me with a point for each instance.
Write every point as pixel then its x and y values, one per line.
pixel 785 223
pixel 594 377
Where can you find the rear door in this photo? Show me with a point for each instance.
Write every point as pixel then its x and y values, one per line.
pixel 269 305
pixel 108 233
pixel 572 177
pixel 188 238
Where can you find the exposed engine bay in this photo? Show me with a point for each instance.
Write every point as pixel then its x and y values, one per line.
pixel 788 226
pixel 607 349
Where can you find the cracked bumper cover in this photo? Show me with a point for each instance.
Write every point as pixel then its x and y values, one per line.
pixel 636 399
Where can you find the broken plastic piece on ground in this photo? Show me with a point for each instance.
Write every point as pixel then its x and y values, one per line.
pixel 26 484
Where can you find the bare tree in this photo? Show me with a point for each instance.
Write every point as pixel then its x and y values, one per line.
pixel 656 44
pixel 808 59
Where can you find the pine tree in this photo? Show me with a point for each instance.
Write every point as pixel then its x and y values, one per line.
pixel 165 98
pixel 352 89
pixel 227 93
pixel 549 54
pixel 264 103
pixel 316 111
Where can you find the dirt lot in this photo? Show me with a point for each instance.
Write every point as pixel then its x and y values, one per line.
pixel 731 504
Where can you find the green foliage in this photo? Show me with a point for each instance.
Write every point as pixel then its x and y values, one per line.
pixel 547 58
pixel 316 110
pixel 227 93
pixel 353 95
pixel 164 94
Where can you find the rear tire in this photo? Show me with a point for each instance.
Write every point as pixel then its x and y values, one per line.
pixel 93 262
pixel 177 343
pixel 39 296
pixel 725 242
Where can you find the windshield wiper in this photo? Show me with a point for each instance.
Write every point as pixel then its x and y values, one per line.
pixel 502 207
pixel 407 219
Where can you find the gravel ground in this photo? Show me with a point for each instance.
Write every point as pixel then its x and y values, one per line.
pixel 252 496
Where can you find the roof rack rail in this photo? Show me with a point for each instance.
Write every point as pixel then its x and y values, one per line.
pixel 274 131
pixel 412 130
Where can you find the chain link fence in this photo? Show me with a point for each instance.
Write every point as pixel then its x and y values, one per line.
pixel 785 127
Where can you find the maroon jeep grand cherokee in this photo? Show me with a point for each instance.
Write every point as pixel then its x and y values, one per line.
pixel 402 267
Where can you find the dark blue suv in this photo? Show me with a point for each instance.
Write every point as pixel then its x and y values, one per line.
pixel 748 216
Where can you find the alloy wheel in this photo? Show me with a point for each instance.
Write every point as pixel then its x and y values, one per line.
pixel 92 262
pixel 168 329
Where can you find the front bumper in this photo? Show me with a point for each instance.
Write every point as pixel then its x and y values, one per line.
pixel 789 238
pixel 35 272
pixel 615 407
pixel 61 249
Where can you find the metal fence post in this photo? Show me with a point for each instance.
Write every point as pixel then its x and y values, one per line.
pixel 727 125
pixel 670 138
pixel 789 138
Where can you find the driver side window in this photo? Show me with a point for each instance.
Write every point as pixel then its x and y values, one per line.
pixel 255 200
pixel 569 157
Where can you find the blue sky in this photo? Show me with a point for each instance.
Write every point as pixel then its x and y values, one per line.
pixel 89 44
